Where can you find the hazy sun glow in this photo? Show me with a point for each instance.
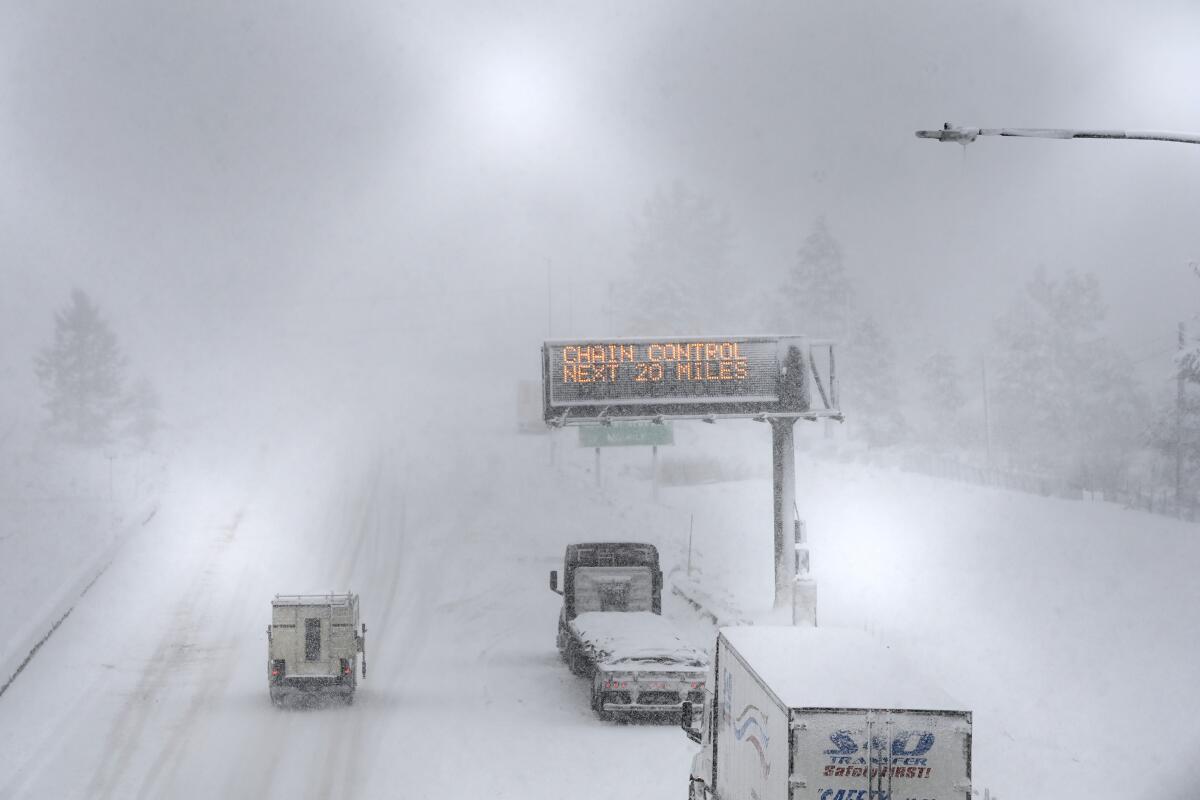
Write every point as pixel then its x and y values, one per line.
pixel 511 96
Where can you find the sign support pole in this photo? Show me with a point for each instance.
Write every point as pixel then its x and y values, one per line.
pixel 654 472
pixel 783 474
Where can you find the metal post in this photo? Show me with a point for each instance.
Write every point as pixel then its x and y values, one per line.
pixel 1179 402
pixel 654 472
pixel 783 474
pixel 987 423
pixel 597 467
pixel 691 528
pixel 804 591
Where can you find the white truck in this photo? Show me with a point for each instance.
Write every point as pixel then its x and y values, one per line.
pixel 823 714
pixel 611 631
pixel 313 644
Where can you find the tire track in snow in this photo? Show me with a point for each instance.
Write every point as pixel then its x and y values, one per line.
pixel 126 732
pixel 20 783
pixel 345 737
pixel 255 772
pixel 387 567
pixel 214 680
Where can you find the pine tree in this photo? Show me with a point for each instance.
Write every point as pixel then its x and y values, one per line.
pixel 82 375
pixel 1175 431
pixel 1065 397
pixel 942 398
pixel 143 413
pixel 816 297
pixel 870 397
pixel 681 254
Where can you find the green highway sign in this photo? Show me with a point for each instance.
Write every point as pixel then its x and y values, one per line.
pixel 626 434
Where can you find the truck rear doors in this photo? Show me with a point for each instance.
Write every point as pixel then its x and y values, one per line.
pixel 301 636
pixel 880 755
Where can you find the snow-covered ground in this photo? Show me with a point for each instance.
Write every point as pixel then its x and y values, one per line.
pixel 1069 628
pixel 64 513
pixel 1072 629
pixel 155 686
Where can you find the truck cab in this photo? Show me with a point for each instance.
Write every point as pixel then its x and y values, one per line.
pixel 606 576
pixel 313 646
pixel 611 630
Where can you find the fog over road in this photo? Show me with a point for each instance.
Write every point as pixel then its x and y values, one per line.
pixel 155 686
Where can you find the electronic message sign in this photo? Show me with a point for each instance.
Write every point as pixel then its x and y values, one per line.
pixel 586 380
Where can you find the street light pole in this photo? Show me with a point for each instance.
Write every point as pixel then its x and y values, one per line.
pixel 961 134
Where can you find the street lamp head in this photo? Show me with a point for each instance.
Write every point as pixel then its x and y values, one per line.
pixel 951 133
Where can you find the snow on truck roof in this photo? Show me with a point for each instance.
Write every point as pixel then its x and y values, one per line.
pixel 621 636
pixel 330 599
pixel 601 554
pixel 835 668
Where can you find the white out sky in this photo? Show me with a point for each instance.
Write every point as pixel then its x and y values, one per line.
pixel 286 184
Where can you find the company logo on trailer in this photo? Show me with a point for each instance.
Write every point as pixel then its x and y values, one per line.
pixel 910 744
pixel 903 757
pixel 750 725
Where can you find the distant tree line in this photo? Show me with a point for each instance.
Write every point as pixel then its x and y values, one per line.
pixel 88 399
pixel 1062 398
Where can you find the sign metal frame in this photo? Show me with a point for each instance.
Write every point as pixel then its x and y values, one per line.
pixel 800 366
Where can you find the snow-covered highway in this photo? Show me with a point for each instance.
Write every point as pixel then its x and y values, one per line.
pixel 155 686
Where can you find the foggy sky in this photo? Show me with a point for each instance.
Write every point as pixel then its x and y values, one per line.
pixel 250 190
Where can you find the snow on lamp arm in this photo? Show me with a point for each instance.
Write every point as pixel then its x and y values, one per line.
pixel 965 135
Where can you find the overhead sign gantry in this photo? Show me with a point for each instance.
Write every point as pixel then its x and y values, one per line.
pixel 594 380
pixel 775 379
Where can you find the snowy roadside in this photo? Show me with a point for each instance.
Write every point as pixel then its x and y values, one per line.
pixel 1044 616
pixel 67 513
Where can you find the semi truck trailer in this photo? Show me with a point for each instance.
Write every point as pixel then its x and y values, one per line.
pixel 823 714
pixel 610 630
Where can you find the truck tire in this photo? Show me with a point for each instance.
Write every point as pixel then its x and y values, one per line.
pixel 276 699
pixel 598 706
pixel 601 714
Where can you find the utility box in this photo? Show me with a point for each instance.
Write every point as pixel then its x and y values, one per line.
pixel 313 647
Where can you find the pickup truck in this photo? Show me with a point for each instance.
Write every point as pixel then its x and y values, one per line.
pixel 802 713
pixel 610 629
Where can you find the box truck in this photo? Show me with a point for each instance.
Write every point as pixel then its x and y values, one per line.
pixel 313 645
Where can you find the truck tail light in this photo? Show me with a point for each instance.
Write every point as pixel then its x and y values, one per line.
pixel 277 669
pixel 346 669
